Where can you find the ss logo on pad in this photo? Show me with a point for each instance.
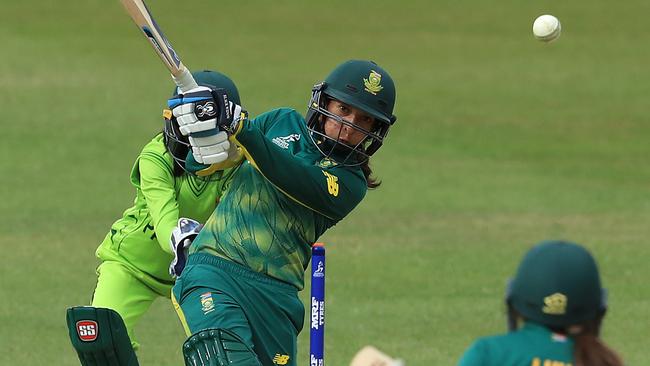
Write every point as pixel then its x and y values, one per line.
pixel 87 330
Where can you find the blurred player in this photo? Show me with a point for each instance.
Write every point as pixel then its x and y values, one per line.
pixel 136 254
pixel 300 177
pixel 557 298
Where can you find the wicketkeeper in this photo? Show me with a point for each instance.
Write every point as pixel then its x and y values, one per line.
pixel 170 202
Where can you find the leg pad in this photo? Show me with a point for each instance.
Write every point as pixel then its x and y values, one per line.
pixel 100 337
pixel 218 347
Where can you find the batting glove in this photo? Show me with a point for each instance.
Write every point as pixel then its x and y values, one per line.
pixel 203 109
pixel 182 236
pixel 210 147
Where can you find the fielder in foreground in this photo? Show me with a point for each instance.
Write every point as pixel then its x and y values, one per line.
pixel 557 298
pixel 238 295
pixel 136 253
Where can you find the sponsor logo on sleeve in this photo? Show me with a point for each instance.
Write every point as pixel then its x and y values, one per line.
pixel 283 141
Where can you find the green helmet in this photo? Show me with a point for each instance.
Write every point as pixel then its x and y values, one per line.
pixel 215 80
pixel 360 84
pixel 177 144
pixel 557 284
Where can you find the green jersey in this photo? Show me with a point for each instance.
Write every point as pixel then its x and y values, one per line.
pixel 532 345
pixel 280 200
pixel 140 239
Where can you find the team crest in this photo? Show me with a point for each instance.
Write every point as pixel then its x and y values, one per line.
pixel 372 83
pixel 326 163
pixel 207 303
pixel 555 304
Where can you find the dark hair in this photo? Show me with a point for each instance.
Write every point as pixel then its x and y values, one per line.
pixel 371 182
pixel 589 349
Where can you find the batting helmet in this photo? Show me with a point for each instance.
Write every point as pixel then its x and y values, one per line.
pixel 360 84
pixel 557 284
pixel 177 144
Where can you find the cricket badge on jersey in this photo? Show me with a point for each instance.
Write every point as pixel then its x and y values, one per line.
pixel 284 141
pixel 326 163
pixel 280 359
pixel 555 304
pixel 372 83
pixel 87 330
pixel 332 184
pixel 207 303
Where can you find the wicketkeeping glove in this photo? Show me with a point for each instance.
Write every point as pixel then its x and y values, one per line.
pixel 182 236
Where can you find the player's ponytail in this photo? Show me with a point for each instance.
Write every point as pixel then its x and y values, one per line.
pixel 589 349
pixel 371 182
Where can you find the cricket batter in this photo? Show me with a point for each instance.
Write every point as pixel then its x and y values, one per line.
pixel 136 254
pixel 238 295
pixel 557 296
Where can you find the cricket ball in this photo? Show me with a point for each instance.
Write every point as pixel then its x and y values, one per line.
pixel 547 28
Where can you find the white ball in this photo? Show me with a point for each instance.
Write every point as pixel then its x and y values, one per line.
pixel 547 28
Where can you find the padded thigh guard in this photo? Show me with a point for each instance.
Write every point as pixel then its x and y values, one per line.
pixel 100 337
pixel 218 347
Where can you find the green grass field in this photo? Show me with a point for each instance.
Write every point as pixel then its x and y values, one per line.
pixel 501 142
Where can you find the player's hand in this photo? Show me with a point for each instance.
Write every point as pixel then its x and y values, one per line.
pixel 204 109
pixel 182 236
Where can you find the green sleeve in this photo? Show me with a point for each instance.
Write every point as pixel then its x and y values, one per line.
pixel 156 181
pixel 474 356
pixel 332 192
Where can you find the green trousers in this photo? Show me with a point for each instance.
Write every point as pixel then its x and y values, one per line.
pixel 266 313
pixel 128 292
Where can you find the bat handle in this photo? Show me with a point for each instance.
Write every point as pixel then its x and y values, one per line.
pixel 184 80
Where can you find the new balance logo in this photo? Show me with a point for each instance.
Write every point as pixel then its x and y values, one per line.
pixel 280 359
pixel 332 184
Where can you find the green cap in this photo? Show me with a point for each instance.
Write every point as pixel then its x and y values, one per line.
pixel 557 284
pixel 364 85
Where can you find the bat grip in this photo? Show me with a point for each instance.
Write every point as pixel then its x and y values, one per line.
pixel 184 80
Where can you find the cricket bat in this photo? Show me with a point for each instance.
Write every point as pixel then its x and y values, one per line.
pixel 371 356
pixel 145 22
